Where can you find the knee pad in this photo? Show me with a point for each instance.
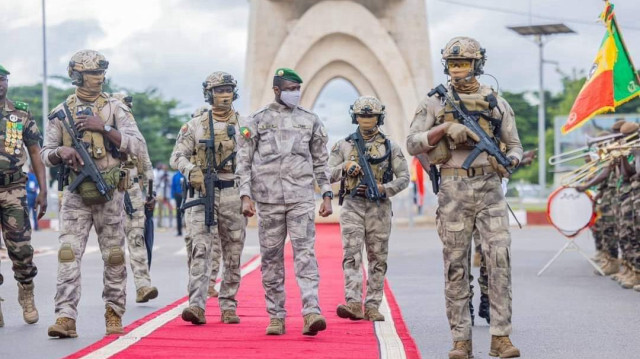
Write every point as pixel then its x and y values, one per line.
pixel 115 257
pixel 65 253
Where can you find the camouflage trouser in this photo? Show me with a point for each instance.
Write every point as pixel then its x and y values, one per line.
pixel 75 225
pixel 134 230
pixel 626 230
pixel 596 229
pixel 483 278
pixel 364 223
pixel 465 204
pixel 609 227
pixel 634 246
pixel 226 238
pixel 274 222
pixel 16 231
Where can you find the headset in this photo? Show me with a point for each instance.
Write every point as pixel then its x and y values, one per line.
pixel 478 64
pixel 381 116
pixel 76 76
pixel 208 94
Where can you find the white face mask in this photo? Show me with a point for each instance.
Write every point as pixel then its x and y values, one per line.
pixel 290 98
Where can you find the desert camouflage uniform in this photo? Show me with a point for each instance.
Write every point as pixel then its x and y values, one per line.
pixel 17 127
pixel 278 160
pixel 205 247
pixel 467 202
pixel 625 215
pixel 363 222
pixel 634 247
pixel 77 218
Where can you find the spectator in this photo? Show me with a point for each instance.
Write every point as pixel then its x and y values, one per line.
pixel 176 194
pixel 32 193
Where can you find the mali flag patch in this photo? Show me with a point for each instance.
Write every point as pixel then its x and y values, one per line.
pixel 246 132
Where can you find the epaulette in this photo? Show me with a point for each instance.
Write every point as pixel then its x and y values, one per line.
pixel 305 110
pixel 22 106
pixel 260 111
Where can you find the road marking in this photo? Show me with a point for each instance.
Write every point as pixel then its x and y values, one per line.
pixel 127 340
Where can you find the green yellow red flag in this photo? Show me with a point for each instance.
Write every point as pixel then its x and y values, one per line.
pixel 612 79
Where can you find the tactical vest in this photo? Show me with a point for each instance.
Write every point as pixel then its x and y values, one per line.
pixel 96 141
pixel 382 173
pixel 225 146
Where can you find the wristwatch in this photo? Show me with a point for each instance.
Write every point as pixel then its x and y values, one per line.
pixel 107 128
pixel 328 194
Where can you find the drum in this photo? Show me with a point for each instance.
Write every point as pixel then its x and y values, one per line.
pixel 570 211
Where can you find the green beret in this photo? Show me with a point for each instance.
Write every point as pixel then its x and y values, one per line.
pixel 289 75
pixel 3 71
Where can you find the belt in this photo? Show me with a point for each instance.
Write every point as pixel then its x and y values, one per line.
pixel 471 172
pixel 225 184
pixel 10 178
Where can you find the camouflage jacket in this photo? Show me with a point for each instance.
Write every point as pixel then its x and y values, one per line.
pixel 17 128
pixel 281 152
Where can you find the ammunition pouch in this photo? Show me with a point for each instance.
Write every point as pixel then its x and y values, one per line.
pixel 441 153
pixel 88 191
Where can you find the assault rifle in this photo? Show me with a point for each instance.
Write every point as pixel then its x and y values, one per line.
pixel 89 170
pixel 368 179
pixel 210 181
pixel 486 144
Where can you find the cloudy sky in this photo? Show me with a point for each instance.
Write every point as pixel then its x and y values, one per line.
pixel 174 44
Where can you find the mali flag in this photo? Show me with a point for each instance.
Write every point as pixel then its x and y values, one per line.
pixel 612 79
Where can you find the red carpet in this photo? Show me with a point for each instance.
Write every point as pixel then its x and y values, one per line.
pixel 342 339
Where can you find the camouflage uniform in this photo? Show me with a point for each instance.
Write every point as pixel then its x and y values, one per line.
pixel 597 228
pixel 625 215
pixel 363 222
pixel 17 127
pixel 634 246
pixel 465 202
pixel 281 153
pixel 76 217
pixel 609 202
pixel 206 246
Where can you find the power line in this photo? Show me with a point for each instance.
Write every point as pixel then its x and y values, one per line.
pixel 529 14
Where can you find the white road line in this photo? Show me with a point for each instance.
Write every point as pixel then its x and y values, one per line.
pixel 147 328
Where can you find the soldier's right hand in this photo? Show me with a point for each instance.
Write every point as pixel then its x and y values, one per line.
pixel 248 209
pixel 351 168
pixel 459 133
pixel 196 179
pixel 70 157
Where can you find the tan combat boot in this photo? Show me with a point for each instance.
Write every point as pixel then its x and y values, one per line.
pixel 229 316
pixel 113 322
pixel 1 317
pixel 609 266
pixel 144 294
pixel 276 326
pixel 194 314
pixel 461 350
pixel 64 328
pixel 631 280
pixel 372 314
pixel 477 259
pixel 623 272
pixel 503 348
pixel 598 257
pixel 212 292
pixel 25 298
pixel 351 310
pixel 313 323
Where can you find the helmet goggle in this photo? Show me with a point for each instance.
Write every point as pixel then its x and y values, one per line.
pixel 459 64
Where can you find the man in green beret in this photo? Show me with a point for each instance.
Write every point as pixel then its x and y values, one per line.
pixel 20 132
pixel 282 150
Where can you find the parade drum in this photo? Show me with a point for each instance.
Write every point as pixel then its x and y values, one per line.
pixel 570 211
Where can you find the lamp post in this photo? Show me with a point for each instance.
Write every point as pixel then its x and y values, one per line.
pixel 45 89
pixel 539 32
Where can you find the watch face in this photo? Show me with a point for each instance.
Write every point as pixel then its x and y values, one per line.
pixel 107 128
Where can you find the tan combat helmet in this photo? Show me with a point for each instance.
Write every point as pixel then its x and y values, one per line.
pixel 85 60
pixel 464 48
pixel 367 105
pixel 218 78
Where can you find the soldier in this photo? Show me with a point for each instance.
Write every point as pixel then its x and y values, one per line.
pixel 471 197
pixel 227 237
pixel 108 127
pixel 362 221
pixel 283 149
pixel 138 171
pixel 18 128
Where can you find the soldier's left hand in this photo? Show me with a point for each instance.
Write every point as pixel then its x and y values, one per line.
pixel 500 168
pixel 41 204
pixel 150 203
pixel 89 123
pixel 325 208
pixel 381 188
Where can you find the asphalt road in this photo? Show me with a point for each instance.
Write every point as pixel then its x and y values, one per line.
pixel 566 313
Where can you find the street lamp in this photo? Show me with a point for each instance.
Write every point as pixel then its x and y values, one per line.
pixel 539 32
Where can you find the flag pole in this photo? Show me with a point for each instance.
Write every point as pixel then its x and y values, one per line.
pixel 624 46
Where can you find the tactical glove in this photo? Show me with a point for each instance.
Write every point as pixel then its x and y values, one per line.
pixel 500 168
pixel 351 168
pixel 459 133
pixel 196 179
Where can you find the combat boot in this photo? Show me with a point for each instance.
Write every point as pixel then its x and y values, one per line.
pixel 64 328
pixel 144 294
pixel 485 308
pixel 276 326
pixel 113 322
pixel 372 314
pixel 229 316
pixel 25 298
pixel 503 348
pixel 636 288
pixel 194 314
pixel 631 280
pixel 212 292
pixel 461 350
pixel 598 257
pixel 313 323
pixel 1 317
pixel 609 266
pixel 351 310
pixel 623 272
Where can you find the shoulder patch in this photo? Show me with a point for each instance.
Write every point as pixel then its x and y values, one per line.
pixel 22 106
pixel 184 129
pixel 245 132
